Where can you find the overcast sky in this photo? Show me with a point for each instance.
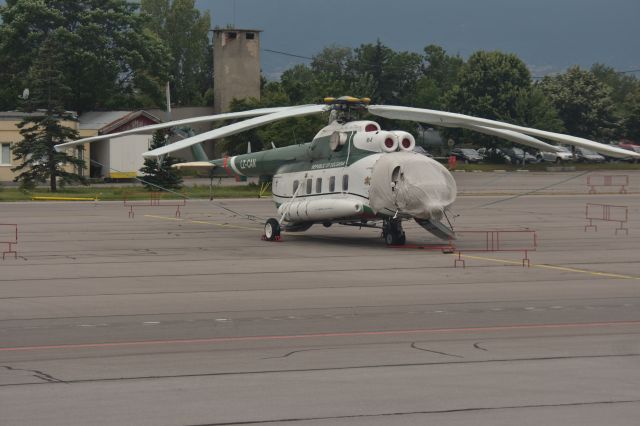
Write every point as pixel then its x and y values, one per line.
pixel 549 35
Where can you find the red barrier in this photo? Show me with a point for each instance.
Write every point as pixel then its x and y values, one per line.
pixel 607 181
pixel 496 240
pixel 607 213
pixel 9 236
pixel 152 199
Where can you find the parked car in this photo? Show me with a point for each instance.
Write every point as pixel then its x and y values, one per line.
pixel 518 155
pixel 631 147
pixel 588 156
pixel 564 154
pixel 494 155
pixel 421 150
pixel 466 155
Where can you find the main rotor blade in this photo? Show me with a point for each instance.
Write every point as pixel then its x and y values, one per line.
pixel 154 127
pixel 510 135
pixel 234 128
pixel 450 119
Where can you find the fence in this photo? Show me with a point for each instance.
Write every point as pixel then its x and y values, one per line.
pixel 9 236
pixel 523 241
pixel 607 213
pixel 608 181
pixel 151 199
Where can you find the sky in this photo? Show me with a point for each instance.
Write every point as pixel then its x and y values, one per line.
pixel 548 35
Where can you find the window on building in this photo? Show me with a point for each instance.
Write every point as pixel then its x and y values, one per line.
pixel 309 186
pixel 345 182
pixel 332 184
pixel 250 36
pixel 318 185
pixel 232 35
pixel 80 156
pixel 5 154
pixel 295 186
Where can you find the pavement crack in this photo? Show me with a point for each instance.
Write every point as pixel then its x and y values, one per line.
pixel 295 352
pixel 36 373
pixel 414 346
pixel 477 346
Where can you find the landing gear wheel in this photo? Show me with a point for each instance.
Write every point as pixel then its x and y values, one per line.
pixel 393 233
pixel 271 230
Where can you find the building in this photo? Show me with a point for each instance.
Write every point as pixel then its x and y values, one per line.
pixel 10 135
pixel 236 66
pixel 117 158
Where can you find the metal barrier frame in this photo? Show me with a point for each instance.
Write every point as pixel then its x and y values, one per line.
pixel 606 217
pixel 608 180
pixel 154 200
pixel 12 242
pixel 493 243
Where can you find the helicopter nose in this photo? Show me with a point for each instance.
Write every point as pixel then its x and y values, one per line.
pixel 411 183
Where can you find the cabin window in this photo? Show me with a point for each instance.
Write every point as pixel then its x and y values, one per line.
pixel 5 154
pixel 318 185
pixel 295 186
pixel 332 184
pixel 345 182
pixel 309 186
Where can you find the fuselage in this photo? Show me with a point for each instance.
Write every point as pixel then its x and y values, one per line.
pixel 329 178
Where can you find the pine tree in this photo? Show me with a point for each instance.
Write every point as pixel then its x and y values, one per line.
pixel 157 175
pixel 44 127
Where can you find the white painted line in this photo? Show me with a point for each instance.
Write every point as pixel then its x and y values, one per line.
pixel 151 322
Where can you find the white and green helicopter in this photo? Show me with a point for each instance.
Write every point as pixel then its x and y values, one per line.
pixel 352 172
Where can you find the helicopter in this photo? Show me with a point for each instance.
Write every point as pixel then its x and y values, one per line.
pixel 353 172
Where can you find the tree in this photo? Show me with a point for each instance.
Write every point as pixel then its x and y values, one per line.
pixel 45 128
pixel 490 85
pixel 440 73
pixel 109 59
pixel 498 86
pixel 392 75
pixel 185 31
pixel 158 175
pixel 631 121
pixel 583 103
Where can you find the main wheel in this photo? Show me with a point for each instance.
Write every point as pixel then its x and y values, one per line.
pixel 271 230
pixel 388 238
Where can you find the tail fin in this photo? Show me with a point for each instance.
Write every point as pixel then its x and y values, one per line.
pixel 198 152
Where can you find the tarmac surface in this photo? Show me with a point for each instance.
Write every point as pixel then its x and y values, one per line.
pixel 158 320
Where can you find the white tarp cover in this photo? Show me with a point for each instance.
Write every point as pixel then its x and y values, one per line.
pixel 412 184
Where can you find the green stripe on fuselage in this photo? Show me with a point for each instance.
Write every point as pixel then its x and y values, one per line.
pixel 315 155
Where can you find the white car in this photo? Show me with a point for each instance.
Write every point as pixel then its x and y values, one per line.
pixel 556 157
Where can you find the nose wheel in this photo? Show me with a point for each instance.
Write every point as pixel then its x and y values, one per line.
pixel 393 233
pixel 271 230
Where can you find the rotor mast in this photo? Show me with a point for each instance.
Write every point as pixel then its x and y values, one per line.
pixel 346 108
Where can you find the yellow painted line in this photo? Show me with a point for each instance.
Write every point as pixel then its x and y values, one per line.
pixel 559 268
pixel 202 222
pixel 63 199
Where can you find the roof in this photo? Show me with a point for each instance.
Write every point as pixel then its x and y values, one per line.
pixel 108 121
pixel 239 30
pixel 19 115
pixel 96 120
